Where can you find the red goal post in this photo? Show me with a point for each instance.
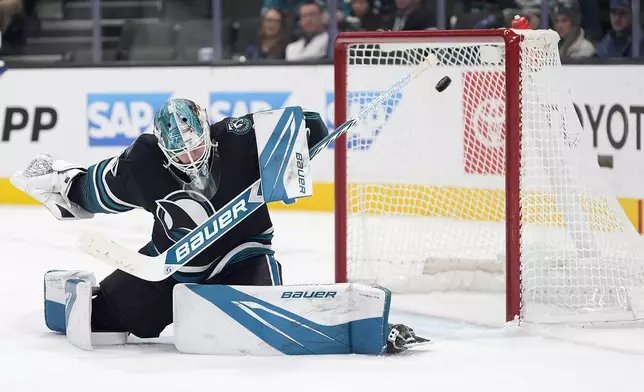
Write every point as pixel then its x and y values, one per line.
pixel 355 52
pixel 512 140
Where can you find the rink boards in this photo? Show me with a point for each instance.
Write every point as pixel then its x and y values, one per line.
pixel 99 114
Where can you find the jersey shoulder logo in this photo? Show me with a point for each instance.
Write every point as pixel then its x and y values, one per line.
pixel 239 126
pixel 182 211
pixel 113 166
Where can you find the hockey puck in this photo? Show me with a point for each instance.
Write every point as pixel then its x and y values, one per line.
pixel 443 84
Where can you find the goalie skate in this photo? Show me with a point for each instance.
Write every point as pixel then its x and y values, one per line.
pixel 401 338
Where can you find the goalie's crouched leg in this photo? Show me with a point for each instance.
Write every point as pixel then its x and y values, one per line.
pixel 126 304
pixel 68 309
pixel 144 308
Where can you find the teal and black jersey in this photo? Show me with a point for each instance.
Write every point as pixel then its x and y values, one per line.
pixel 140 178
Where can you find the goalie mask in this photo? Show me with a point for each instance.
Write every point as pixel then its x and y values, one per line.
pixel 183 133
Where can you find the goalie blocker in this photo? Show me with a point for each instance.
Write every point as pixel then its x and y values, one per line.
pixel 245 320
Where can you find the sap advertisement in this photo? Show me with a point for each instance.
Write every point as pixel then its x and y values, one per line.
pixel 85 115
pixel 118 119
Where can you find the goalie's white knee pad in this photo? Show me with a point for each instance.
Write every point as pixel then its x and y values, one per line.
pixel 277 320
pixel 68 309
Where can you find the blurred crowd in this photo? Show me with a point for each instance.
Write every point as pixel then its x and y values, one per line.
pixel 580 23
pixel 294 30
pixel 583 30
pixel 14 15
pixel 580 27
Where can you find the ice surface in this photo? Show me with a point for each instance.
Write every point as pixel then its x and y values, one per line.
pixel 473 349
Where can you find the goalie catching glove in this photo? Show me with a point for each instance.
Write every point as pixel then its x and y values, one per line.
pixel 48 181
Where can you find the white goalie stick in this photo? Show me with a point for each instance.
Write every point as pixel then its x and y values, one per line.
pixel 157 268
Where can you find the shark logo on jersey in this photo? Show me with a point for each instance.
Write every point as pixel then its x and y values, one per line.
pixel 182 211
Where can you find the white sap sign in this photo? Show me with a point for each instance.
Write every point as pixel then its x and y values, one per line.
pixel 104 109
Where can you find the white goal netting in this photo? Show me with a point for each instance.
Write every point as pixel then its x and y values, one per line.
pixel 426 188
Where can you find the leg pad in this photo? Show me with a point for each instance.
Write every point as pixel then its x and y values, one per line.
pixel 68 309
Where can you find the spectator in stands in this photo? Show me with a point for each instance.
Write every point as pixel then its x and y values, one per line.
pixel 314 43
pixel 531 9
pixel 412 15
pixel 589 9
pixel 383 7
pixel 15 15
pixel 618 41
pixel 362 17
pixel 533 14
pixel 573 43
pixel 271 43
pixel 290 8
pixel 591 19
pixel 479 15
pixel 9 9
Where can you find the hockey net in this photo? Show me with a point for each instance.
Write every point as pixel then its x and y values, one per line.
pixel 487 186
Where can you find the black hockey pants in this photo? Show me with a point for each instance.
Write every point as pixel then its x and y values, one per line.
pixel 128 303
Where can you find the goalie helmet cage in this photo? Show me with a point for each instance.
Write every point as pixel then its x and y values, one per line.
pixel 500 194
